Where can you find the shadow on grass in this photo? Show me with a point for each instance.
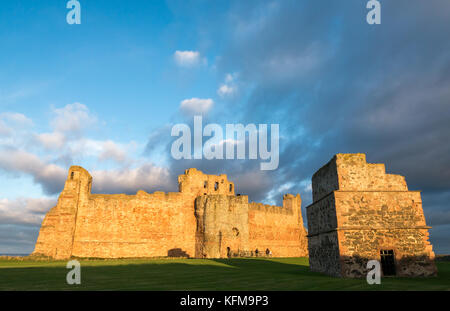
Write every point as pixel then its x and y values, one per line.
pixel 200 274
pixel 290 266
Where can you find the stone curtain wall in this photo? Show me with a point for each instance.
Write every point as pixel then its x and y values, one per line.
pixel 366 211
pixel 141 225
pixel 204 219
pixel 118 225
pixel 279 229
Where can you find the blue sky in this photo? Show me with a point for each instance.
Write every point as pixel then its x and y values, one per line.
pixel 118 62
pixel 104 95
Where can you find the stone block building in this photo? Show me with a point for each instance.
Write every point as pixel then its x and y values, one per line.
pixel 204 219
pixel 360 213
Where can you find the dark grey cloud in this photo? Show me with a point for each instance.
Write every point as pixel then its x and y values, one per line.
pixel 383 90
pixel 16 162
pixel 17 239
pixel 437 212
pixel 25 211
pixel 440 239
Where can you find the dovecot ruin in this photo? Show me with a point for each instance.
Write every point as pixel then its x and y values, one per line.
pixel 205 219
pixel 359 213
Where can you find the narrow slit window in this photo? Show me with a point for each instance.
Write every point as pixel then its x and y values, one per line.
pixel 205 184
pixel 71 175
pixel 216 186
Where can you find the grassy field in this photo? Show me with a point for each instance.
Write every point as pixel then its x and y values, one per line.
pixel 197 274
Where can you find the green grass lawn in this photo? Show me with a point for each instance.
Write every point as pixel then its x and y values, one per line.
pixel 197 274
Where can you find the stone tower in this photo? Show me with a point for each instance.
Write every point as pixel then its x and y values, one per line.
pixel 58 228
pixel 360 213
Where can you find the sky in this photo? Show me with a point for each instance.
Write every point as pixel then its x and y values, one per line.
pixel 106 93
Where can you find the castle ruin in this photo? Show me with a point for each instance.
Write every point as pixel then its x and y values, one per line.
pixel 205 219
pixel 359 213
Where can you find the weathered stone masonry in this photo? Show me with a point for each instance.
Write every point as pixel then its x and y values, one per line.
pixel 205 219
pixel 358 213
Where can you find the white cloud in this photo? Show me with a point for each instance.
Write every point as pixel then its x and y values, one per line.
pixel 25 211
pixel 102 150
pixel 10 121
pixel 17 118
pixel 4 129
pixel 188 58
pixel 129 180
pixel 225 90
pixel 113 151
pixel 73 118
pixel 68 125
pixel 54 140
pixel 229 87
pixel 69 122
pixel 196 105
pixel 50 176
